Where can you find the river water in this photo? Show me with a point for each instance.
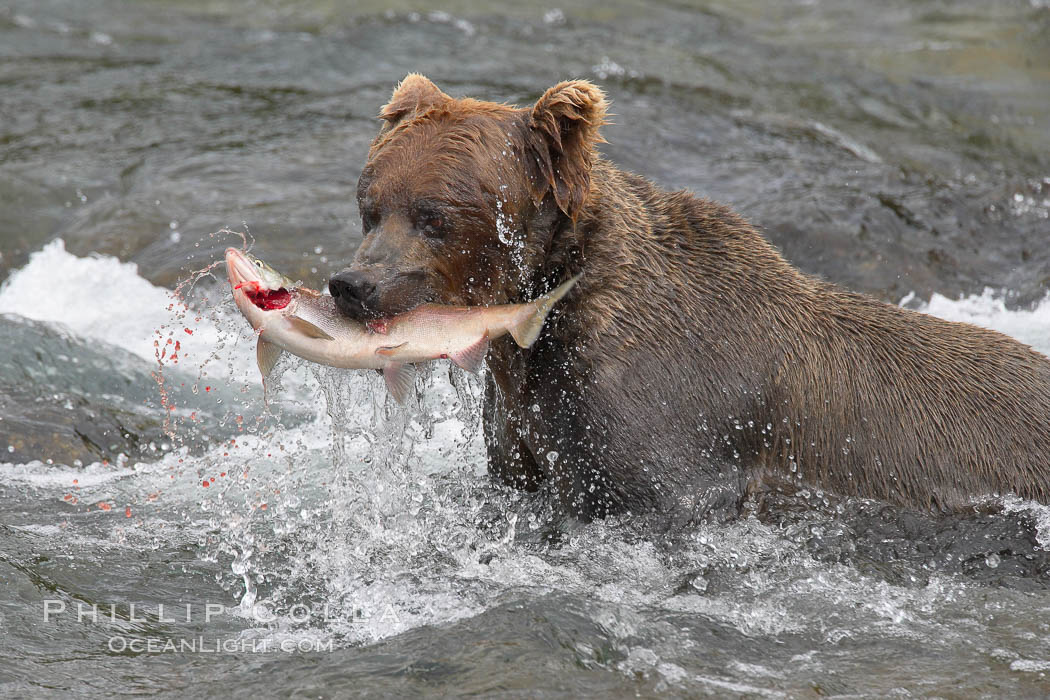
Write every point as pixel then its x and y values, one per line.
pixel 164 530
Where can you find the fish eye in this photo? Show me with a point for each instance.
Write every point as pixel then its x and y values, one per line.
pixel 259 263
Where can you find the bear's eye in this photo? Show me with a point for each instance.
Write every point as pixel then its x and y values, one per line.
pixel 432 226
pixel 369 219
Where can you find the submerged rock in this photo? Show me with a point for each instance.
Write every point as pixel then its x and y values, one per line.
pixel 66 399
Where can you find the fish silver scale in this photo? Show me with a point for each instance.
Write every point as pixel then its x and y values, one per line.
pixel 311 326
pixel 425 333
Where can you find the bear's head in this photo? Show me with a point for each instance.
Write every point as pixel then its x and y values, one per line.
pixel 461 199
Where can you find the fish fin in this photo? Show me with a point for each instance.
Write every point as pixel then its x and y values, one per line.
pixel 526 328
pixel 308 329
pixel 400 379
pixel 266 354
pixel 471 357
pixel 388 350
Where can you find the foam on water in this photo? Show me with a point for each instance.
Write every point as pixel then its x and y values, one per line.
pixel 368 506
pixel 101 298
pixel 98 297
pixel 988 310
pixel 40 475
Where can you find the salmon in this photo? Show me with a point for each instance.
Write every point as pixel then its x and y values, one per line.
pixel 290 317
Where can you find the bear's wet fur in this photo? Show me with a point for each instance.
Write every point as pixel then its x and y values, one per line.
pixel 691 365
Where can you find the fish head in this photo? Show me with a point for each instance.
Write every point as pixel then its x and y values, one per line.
pixel 460 199
pixel 242 266
pixel 258 289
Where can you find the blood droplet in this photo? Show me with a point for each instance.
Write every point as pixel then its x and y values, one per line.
pixel 127 511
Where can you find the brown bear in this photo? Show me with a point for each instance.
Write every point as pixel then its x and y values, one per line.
pixel 691 364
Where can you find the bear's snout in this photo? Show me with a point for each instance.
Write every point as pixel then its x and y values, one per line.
pixel 368 292
pixel 355 294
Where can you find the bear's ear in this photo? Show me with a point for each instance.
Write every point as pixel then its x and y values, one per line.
pixel 563 134
pixel 413 95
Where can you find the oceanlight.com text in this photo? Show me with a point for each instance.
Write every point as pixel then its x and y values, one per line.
pixel 202 645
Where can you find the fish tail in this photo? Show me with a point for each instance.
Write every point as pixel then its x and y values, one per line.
pixel 529 322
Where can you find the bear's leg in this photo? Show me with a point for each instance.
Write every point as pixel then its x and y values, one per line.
pixel 509 460
pixel 715 495
pixel 601 463
pixel 588 473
